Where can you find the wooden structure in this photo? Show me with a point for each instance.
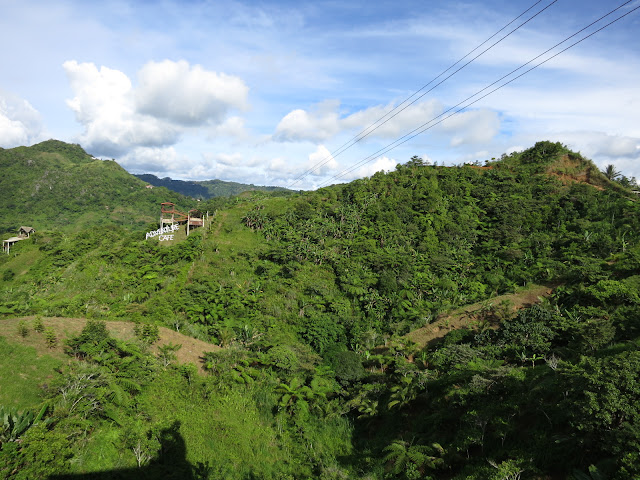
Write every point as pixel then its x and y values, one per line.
pixel 169 215
pixel 23 234
pixel 26 232
pixel 193 221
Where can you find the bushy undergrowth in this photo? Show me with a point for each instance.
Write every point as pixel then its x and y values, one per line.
pixel 310 295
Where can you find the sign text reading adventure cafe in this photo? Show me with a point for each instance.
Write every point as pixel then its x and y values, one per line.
pixel 163 231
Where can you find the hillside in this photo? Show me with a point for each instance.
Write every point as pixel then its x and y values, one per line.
pixel 205 189
pixel 325 307
pixel 54 185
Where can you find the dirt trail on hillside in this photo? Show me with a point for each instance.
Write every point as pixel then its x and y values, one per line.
pixel 471 315
pixel 191 351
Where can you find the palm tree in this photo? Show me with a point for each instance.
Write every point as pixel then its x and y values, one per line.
pixel 400 454
pixel 611 173
pixel 295 396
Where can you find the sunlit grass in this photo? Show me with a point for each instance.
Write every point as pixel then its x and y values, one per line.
pixel 22 374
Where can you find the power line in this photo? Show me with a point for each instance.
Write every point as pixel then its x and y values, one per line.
pixel 389 115
pixel 426 126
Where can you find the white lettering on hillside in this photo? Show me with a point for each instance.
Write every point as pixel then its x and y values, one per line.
pixel 162 231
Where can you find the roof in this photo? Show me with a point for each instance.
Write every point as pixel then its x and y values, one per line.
pixel 28 229
pixel 12 239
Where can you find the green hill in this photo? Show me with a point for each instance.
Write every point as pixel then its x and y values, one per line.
pixel 55 185
pixel 205 189
pixel 311 297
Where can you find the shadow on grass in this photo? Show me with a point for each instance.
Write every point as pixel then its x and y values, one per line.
pixel 170 463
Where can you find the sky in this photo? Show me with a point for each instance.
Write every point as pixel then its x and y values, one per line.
pixel 277 92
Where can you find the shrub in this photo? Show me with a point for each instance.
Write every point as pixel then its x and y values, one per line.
pixel 8 275
pixel 50 337
pixel 23 330
pixel 38 326
pixel 167 353
pixel 147 333
pixel 348 367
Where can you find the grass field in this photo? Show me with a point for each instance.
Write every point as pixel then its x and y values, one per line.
pixel 23 372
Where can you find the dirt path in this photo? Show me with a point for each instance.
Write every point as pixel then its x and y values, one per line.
pixel 471 315
pixel 191 351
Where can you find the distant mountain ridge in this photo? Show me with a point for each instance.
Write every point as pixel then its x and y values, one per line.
pixel 205 189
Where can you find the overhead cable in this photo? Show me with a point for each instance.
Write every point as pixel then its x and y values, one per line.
pixel 432 123
pixel 405 103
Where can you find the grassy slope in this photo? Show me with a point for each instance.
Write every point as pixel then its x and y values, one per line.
pixel 21 387
pixel 65 328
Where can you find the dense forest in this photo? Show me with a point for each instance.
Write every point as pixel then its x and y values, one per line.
pixel 308 305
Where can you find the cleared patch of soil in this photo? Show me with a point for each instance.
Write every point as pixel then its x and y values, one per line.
pixel 472 315
pixel 191 351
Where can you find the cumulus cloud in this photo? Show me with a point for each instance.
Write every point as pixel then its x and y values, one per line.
pixel 320 123
pixel 188 95
pixel 404 121
pixel 614 146
pixel 321 161
pixel 232 127
pixel 323 121
pixel 227 159
pixel 472 127
pixel 172 96
pixel 156 160
pixel 20 123
pixel 237 166
pixel 104 105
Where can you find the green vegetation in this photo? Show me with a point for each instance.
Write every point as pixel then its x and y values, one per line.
pixel 54 185
pixel 23 375
pixel 310 297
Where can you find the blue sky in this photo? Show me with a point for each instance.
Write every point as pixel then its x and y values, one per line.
pixel 260 92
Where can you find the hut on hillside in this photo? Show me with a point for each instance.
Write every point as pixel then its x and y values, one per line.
pixel 23 234
pixel 26 231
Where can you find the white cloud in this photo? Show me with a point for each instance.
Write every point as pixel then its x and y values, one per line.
pixel 321 123
pixel 187 95
pixel 472 127
pixel 320 164
pixel 244 167
pixel 385 164
pixel 398 123
pixel 104 105
pixel 156 160
pixel 615 146
pixel 172 96
pixel 232 127
pixel 321 161
pixel 227 159
pixel 20 123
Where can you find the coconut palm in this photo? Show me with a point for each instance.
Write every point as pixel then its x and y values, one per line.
pixel 611 173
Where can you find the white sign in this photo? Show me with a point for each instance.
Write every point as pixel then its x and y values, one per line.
pixel 162 231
